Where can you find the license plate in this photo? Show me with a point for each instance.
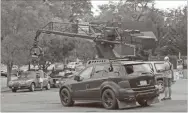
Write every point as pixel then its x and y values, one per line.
pixel 142 83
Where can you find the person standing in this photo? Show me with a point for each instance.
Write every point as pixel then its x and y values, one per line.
pixel 168 78
pixel 40 80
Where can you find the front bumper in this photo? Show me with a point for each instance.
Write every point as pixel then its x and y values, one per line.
pixel 19 86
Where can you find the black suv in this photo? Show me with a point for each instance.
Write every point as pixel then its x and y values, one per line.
pixel 117 85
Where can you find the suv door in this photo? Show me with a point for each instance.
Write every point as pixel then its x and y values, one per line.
pixel 101 74
pixel 95 82
pixel 79 88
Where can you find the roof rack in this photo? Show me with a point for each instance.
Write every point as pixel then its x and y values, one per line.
pixel 90 62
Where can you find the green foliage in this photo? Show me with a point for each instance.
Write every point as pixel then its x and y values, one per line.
pixel 22 18
pixel 136 14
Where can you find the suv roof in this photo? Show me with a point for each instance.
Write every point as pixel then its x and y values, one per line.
pixel 105 61
pixel 154 61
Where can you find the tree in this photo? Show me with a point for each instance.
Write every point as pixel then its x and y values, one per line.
pixel 70 10
pixel 84 49
pixel 15 19
pixel 175 31
pixel 137 14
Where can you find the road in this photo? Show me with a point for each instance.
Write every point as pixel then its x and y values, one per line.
pixel 41 101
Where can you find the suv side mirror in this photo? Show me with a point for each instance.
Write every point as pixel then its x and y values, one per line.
pixel 77 78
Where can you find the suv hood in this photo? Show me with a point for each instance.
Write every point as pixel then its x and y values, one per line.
pixel 22 79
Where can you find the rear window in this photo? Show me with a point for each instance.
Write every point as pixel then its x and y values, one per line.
pixel 132 68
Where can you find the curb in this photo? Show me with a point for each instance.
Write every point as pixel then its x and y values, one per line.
pixel 5 89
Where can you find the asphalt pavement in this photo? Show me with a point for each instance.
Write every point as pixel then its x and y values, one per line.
pixel 48 100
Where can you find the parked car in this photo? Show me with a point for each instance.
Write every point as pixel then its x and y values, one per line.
pixel 73 65
pixel 51 67
pixel 14 71
pixel 112 84
pixel 56 75
pixel 59 66
pixel 158 69
pixel 24 68
pixel 28 80
pixel 3 70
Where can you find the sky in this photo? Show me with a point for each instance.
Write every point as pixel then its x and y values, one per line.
pixel 161 4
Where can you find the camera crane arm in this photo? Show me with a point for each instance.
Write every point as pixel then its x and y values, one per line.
pixel 105 38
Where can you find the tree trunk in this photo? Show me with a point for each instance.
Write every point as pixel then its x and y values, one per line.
pixel 9 70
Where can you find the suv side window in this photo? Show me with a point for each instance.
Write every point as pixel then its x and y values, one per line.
pixel 99 70
pixel 86 74
pixel 116 68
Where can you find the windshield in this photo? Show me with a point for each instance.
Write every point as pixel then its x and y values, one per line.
pixel 145 68
pixel 159 66
pixel 27 75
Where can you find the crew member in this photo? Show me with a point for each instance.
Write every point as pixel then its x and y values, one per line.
pixel 40 80
pixel 168 78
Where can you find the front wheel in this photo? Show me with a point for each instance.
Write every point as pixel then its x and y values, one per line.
pixel 32 87
pixel 48 86
pixel 14 90
pixel 109 99
pixel 143 102
pixel 66 98
pixel 160 84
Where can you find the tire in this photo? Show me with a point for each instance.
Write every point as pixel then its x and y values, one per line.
pixel 48 86
pixel 143 102
pixel 65 94
pixel 32 87
pixel 160 83
pixel 109 99
pixel 3 74
pixel 14 90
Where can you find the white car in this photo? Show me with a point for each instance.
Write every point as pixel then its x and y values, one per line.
pixel 51 67
pixel 73 65
pixel 3 70
pixel 24 68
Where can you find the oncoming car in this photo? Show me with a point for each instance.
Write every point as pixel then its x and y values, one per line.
pixel 28 80
pixel 117 85
pixel 158 70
